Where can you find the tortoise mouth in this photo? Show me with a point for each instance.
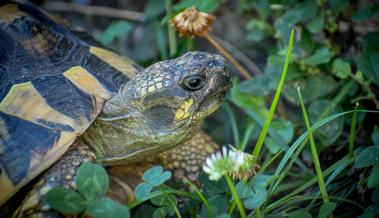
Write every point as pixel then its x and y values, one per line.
pixel 213 102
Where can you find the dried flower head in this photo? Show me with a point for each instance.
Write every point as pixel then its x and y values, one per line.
pixel 247 168
pixel 191 22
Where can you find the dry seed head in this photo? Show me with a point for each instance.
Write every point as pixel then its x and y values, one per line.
pixel 191 22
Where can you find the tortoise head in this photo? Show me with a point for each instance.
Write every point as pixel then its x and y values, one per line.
pixel 162 107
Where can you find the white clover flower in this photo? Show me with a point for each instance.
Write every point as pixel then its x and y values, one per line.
pixel 247 168
pixel 229 161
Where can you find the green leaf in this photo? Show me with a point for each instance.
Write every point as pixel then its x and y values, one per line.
pixel 371 40
pixel 373 179
pixel 375 137
pixel 243 190
pixel 261 181
pixel 272 145
pixel 218 204
pixel 92 181
pixel 366 216
pixel 207 5
pixel 143 190
pixel 368 64
pixel 364 14
pixel 311 88
pixel 300 215
pixel 160 212
pixel 375 195
pixel 65 200
pixel 284 128
pixel 306 41
pixel 153 8
pixel 144 211
pixel 152 174
pixel 257 103
pixel 280 60
pixel 119 29
pixel 163 178
pixel 338 5
pixel 257 35
pixel 343 68
pixel 209 187
pixel 224 216
pixel 261 85
pixel 367 157
pixel 301 11
pixel 326 209
pixel 321 55
pixel 262 7
pixel 107 209
pixel 257 200
pixel 331 131
pixel 372 210
pixel 163 200
pixel 316 25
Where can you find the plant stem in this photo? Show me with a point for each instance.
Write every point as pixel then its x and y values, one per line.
pixel 228 56
pixel 258 212
pixel 190 44
pixel 201 196
pixel 176 209
pixel 170 30
pixel 237 199
pixel 352 131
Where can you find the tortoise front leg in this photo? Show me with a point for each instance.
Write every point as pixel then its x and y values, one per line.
pixel 184 160
pixel 61 174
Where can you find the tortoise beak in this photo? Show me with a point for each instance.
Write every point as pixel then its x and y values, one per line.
pixel 220 82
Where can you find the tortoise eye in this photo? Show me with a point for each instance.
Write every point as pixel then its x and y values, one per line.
pixel 193 83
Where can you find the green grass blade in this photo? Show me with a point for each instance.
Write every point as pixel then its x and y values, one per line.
pixel 246 136
pixel 344 161
pixel 261 139
pixel 201 196
pixel 278 139
pixel 233 122
pixel 352 131
pixel 159 193
pixel 316 161
pixel 300 143
pixel 336 100
pixel 269 162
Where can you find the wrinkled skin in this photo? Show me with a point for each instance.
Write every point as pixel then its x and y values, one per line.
pixel 162 107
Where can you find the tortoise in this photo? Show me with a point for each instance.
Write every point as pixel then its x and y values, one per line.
pixel 65 100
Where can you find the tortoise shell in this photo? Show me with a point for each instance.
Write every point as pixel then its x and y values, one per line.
pixel 53 84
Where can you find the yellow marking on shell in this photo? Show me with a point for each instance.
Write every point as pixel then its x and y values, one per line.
pixel 24 101
pixel 38 164
pixel 85 81
pixel 183 111
pixel 121 63
pixel 9 13
pixel 37 43
pixel 6 188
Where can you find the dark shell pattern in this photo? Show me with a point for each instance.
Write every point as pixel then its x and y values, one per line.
pixel 53 84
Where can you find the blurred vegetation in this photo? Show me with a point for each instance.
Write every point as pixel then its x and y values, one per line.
pixel 334 64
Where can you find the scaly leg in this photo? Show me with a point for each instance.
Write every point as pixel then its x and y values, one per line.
pixel 184 160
